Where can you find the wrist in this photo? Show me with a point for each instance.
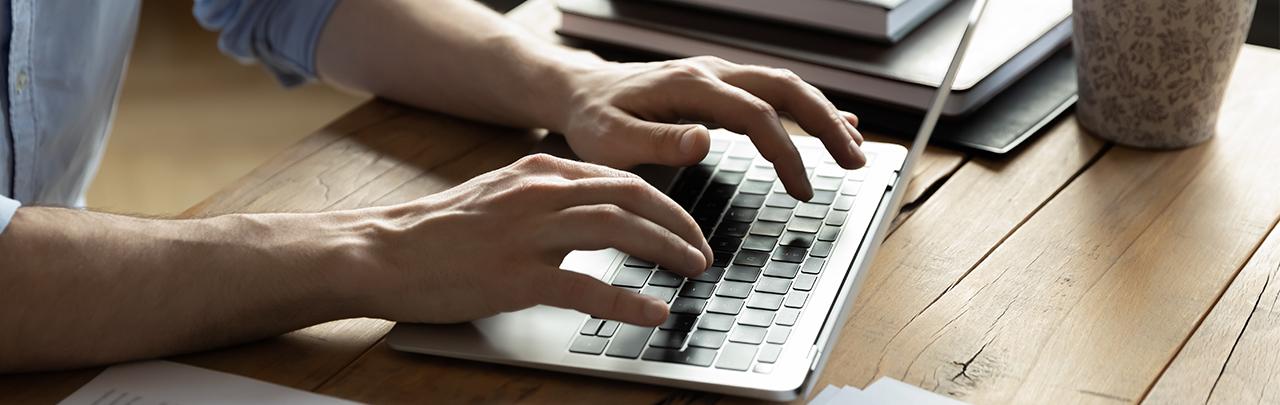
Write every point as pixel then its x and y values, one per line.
pixel 323 260
pixel 555 74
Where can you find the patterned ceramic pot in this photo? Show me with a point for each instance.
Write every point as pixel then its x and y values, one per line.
pixel 1152 72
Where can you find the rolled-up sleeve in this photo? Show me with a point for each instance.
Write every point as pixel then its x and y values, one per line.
pixel 8 207
pixel 280 34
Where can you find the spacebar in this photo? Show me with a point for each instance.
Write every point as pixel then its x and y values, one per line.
pixel 629 341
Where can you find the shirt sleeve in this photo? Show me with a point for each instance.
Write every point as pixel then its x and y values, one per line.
pixel 281 34
pixel 8 207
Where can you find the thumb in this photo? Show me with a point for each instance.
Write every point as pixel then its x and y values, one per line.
pixel 665 144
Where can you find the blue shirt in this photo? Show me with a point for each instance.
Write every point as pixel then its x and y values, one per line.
pixel 63 61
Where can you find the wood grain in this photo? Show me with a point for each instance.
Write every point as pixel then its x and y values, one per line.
pixel 1232 356
pixel 1089 300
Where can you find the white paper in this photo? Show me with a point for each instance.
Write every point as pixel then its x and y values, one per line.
pixel 164 382
pixel 884 391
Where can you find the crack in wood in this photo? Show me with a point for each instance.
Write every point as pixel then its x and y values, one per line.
pixel 964 366
pixel 1236 343
pixel 1105 396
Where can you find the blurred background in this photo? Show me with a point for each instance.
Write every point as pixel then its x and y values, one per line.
pixel 191 121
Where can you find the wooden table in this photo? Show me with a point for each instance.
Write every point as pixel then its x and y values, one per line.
pixel 1071 271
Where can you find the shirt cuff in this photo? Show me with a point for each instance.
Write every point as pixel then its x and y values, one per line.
pixel 8 207
pixel 281 34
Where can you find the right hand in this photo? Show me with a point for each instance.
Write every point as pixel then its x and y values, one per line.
pixel 494 244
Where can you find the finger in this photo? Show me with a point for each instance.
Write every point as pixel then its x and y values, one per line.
pixel 811 109
pixel 638 197
pixel 583 293
pixel 593 227
pixel 568 169
pixel 634 141
pixel 709 99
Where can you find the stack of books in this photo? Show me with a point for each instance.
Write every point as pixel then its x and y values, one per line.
pixel 885 55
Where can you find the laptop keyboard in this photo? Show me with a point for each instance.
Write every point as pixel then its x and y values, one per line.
pixel 769 249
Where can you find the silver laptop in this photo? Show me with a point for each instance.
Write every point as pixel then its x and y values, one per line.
pixel 763 319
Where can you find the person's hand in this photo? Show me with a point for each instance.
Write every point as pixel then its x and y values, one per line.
pixel 494 244
pixel 624 114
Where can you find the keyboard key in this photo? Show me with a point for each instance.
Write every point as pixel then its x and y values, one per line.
pixel 716 322
pixel 629 341
pixel 773 285
pixel 769 353
pixel 723 177
pixel 747 201
pixel 733 229
pixel 697 289
pixel 711 160
pixel 764 301
pixel 710 339
pixel 608 329
pixel 756 317
pixel 711 275
pixel 741 214
pixel 787 317
pixel 828 233
pixel 808 210
pixel 851 187
pixel 797 239
pixel 747 334
pixel 736 357
pixel 778 334
pixel 830 171
pixel 725 305
pixel 762 174
pixel 724 244
pixel 821 249
pixel 743 149
pixel 781 200
pixel 734 289
pixel 823 197
pixel 692 356
pixel 719 194
pixel 668 339
pixel 631 277
pixel 663 293
pixel 763 368
pixel 796 299
pixel 837 218
pixel 736 165
pixel 666 279
pixel 719 145
pixel 721 259
pixel 759 243
pixel 812 265
pixel 804 282
pixel 633 261
pixel 742 273
pixel 806 225
pixel 686 305
pixel 789 254
pixel 588 345
pixel 763 228
pixel 751 258
pixel 826 183
pixel 755 187
pixel 842 203
pixel 679 322
pixel 591 326
pixel 781 269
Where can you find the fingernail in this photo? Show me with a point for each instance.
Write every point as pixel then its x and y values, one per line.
pixel 697 259
pixel 688 142
pixel 655 311
pixel 861 158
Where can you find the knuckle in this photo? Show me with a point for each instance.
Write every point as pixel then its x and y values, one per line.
pixel 608 215
pixel 536 161
pixel 763 109
pixel 685 69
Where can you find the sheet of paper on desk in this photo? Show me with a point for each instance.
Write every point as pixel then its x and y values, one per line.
pixel 164 382
pixel 883 391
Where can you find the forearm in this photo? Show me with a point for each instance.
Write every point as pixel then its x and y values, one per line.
pixel 453 56
pixel 81 288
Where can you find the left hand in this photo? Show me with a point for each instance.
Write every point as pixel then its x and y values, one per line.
pixel 624 114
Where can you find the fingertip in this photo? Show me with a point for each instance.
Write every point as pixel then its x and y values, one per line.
pixel 655 312
pixel 860 158
pixel 695 142
pixel 849 117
